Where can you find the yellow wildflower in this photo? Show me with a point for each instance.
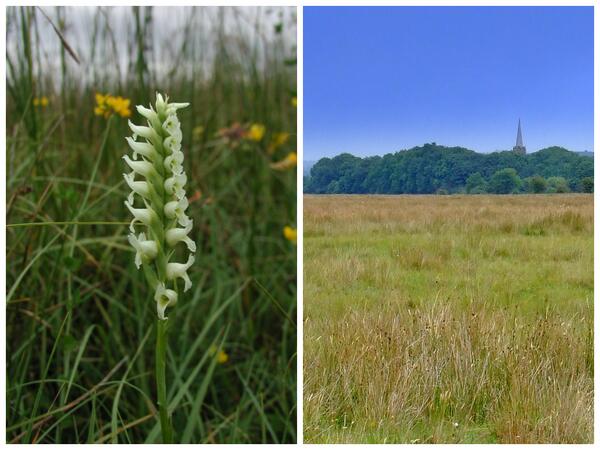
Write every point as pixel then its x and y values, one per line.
pixel 107 105
pixel 289 162
pixel 100 99
pixel 222 357
pixel 294 102
pixel 256 132
pixel 290 233
pixel 278 140
pixel 119 105
pixel 40 101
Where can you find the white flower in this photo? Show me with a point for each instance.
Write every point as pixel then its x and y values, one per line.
pixel 144 168
pixel 176 235
pixel 178 270
pixel 145 132
pixel 176 135
pixel 143 148
pixel 172 144
pixel 141 188
pixel 147 215
pixel 164 297
pixel 175 185
pixel 176 209
pixel 174 162
pixel 146 250
pixel 173 107
pixel 172 125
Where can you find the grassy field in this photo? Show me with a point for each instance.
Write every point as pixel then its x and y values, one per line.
pixel 448 319
pixel 81 320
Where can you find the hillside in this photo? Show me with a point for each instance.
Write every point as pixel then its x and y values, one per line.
pixel 435 168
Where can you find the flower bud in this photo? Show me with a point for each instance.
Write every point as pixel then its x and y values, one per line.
pixel 161 106
pixel 149 114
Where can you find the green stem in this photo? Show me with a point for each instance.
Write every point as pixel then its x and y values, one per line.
pixel 161 384
pixel 39 224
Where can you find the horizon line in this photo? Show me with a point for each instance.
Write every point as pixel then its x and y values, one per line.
pixel 447 146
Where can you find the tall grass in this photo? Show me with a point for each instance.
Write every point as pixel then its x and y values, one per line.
pixel 448 319
pixel 79 317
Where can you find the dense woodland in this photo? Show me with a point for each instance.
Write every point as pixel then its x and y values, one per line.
pixel 436 169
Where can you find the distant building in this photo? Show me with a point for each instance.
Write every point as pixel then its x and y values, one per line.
pixel 519 148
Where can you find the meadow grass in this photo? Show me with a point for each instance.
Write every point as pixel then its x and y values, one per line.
pixel 448 319
pixel 80 317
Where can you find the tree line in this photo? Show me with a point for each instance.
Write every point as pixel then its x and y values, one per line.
pixel 433 168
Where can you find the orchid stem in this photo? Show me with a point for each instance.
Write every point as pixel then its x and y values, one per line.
pixel 161 384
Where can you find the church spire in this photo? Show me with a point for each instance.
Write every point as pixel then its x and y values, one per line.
pixel 519 136
pixel 519 147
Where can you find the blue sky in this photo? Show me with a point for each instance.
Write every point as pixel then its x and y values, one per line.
pixel 381 79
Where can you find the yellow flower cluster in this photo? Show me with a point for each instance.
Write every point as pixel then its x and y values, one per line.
pixel 235 134
pixel 107 105
pixel 40 101
pixel 289 162
pixel 290 233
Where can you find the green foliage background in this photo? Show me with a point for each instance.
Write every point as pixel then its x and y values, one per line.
pixel 432 168
pixel 80 319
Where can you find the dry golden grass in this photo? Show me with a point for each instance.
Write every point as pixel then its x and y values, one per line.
pixel 448 319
